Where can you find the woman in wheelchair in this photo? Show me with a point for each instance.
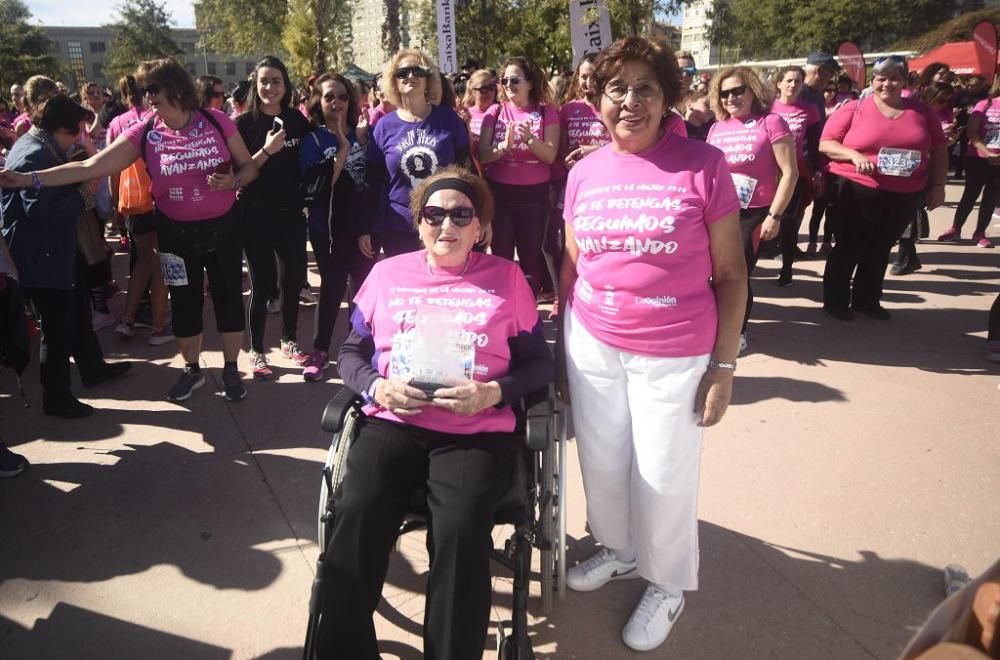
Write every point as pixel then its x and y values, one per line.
pixel 442 342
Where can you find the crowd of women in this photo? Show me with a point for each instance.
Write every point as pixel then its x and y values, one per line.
pixel 644 237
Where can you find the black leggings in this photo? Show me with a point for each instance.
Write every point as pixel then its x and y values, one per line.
pixel 335 263
pixel 980 176
pixel 820 206
pixel 867 222
pixel 790 225
pixel 750 219
pixel 522 215
pixel 268 232
pixel 993 328
pixel 205 246
pixel 465 477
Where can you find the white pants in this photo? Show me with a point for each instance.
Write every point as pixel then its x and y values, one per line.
pixel 640 452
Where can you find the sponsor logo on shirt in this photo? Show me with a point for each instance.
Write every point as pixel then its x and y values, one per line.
pixel 154 137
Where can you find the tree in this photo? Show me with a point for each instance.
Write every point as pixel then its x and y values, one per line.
pixel 957 29
pixel 257 26
pixel 317 36
pixel 24 48
pixel 390 28
pixel 142 32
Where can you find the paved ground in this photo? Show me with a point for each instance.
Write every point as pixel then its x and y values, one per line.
pixel 857 460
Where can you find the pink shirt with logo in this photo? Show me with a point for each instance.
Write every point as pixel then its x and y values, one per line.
pixel 519 166
pixel 179 162
pixel 579 126
pixel 125 120
pixel 488 297
pixel 988 111
pixel 859 125
pixel 799 117
pixel 746 144
pixel 640 223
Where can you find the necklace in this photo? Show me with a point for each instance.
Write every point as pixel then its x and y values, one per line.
pixel 430 272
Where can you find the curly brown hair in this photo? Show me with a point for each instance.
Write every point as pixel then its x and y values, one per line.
pixel 657 55
pixel 173 78
pixel 484 206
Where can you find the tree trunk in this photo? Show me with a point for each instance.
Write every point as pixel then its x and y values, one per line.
pixel 319 16
pixel 390 29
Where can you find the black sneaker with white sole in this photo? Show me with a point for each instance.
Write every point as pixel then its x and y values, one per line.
pixel 189 381
pixel 11 464
pixel 232 382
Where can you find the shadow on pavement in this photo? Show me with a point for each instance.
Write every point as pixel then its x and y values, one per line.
pixel 754 389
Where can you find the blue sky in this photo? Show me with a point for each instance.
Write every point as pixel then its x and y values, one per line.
pixel 97 12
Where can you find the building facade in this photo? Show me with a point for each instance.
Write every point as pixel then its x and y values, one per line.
pixel 368 17
pixel 694 33
pixel 84 53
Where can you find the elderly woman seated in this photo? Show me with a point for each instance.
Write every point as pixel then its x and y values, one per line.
pixel 443 341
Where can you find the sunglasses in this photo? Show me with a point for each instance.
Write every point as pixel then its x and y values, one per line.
pixel 513 81
pixel 689 70
pixel 486 89
pixel 461 216
pixel 735 91
pixel 152 89
pixel 343 98
pixel 416 71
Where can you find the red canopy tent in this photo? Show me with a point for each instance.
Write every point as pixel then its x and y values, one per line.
pixel 960 56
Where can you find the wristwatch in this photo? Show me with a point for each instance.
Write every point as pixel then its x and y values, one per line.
pixel 780 217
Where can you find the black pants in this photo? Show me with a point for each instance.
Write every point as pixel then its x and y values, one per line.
pixel 66 331
pixel 750 219
pixel 522 215
pixel 790 225
pixel 820 206
pixel 982 177
pixel 867 223
pixel 334 263
pixel 993 328
pixel 465 477
pixel 270 232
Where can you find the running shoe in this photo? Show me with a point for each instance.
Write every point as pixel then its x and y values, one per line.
pixel 826 248
pixel 101 320
pixel 144 317
pixel 273 305
pixel 316 363
pixel 982 241
pixel 291 350
pixel 306 295
pixel 11 464
pixel 595 572
pixel 811 250
pixel 652 619
pixel 125 329
pixel 259 367
pixel 743 344
pixel 993 350
pixel 950 236
pixel 785 278
pixel 234 388
pixel 164 335
pixel 189 381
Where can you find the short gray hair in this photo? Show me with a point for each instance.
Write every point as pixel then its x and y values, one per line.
pixel 889 65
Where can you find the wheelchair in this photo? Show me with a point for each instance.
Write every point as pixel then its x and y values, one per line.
pixel 533 506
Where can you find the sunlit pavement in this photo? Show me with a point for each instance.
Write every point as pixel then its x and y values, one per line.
pixel 857 460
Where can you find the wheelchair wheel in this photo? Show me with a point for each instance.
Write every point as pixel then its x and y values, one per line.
pixel 333 473
pixel 548 514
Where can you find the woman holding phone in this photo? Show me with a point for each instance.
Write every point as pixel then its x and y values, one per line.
pixel 273 224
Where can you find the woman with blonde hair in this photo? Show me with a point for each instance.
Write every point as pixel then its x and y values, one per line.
pixel 480 96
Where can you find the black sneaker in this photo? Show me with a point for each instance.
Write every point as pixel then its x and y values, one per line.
pixel 11 464
pixel 785 278
pixel 188 382
pixel 839 313
pixel 107 371
pixel 233 383
pixel 68 408
pixel 875 311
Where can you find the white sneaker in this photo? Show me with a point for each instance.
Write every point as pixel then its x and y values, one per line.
pixel 743 344
pixel 125 329
pixel 307 296
pixel 273 305
pixel 652 619
pixel 101 320
pixel 600 569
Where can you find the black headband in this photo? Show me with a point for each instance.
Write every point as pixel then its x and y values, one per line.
pixel 451 183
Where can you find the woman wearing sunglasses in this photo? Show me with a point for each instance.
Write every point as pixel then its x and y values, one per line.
pixel 518 144
pixel 886 152
pixel 760 151
pixel 406 146
pixel 654 285
pixel 480 96
pixel 332 162
pixel 473 315
pixel 197 161
pixel 211 92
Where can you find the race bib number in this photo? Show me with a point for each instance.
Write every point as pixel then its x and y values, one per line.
pixel 898 162
pixel 436 350
pixel 993 139
pixel 745 186
pixel 173 269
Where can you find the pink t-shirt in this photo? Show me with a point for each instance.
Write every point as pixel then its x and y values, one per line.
pixel 747 146
pixel 488 297
pixel 799 116
pixel 179 161
pixel 860 126
pixel 23 119
pixel 988 111
pixel 374 114
pixel 124 121
pixel 579 126
pixel 641 226
pixel 519 166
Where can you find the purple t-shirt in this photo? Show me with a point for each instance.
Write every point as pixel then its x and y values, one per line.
pixel 519 166
pixel 179 162
pixel 487 300
pixel 404 153
pixel 640 222
pixel 746 144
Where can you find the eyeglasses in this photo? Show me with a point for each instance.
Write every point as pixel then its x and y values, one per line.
pixel 486 89
pixel 415 71
pixel 343 97
pixel 733 91
pixel 644 92
pixel 152 89
pixel 512 81
pixel 689 70
pixel 461 216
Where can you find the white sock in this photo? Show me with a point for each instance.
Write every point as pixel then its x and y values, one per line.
pixel 626 554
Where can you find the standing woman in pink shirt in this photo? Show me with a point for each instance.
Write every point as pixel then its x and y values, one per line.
pixel 760 151
pixel 517 146
pixel 480 96
pixel 885 151
pixel 654 284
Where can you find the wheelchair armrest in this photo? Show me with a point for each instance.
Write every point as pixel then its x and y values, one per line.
pixel 337 408
pixel 538 419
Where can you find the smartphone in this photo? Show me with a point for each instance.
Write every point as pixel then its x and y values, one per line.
pixel 279 125
pixel 225 167
pixel 426 387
